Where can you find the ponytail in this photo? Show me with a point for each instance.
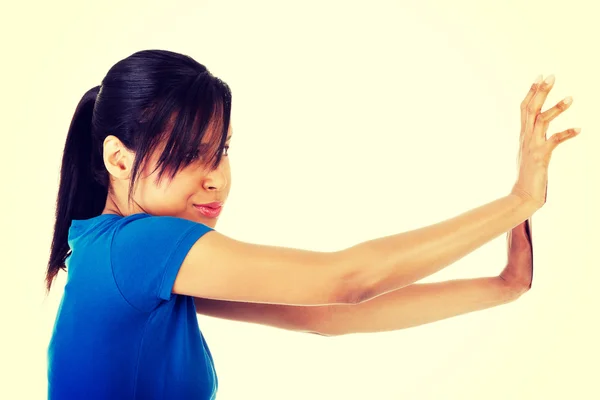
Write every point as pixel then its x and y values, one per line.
pixel 80 195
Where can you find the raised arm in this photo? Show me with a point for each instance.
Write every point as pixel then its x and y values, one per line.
pixel 221 268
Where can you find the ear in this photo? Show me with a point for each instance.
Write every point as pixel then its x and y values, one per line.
pixel 118 160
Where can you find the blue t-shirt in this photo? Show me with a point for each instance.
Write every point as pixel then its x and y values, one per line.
pixel 120 333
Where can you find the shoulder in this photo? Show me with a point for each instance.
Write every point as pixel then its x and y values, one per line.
pixel 146 254
pixel 151 235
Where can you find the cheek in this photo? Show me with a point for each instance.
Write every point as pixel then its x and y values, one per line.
pixel 167 198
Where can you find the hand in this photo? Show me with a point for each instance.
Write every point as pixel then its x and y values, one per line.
pixel 535 150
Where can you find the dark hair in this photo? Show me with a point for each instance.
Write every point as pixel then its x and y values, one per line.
pixel 151 97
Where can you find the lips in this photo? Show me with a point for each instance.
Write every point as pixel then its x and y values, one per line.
pixel 215 204
pixel 209 210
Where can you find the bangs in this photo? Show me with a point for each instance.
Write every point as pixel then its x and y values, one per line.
pixel 191 122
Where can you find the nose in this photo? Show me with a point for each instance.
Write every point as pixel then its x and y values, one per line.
pixel 215 180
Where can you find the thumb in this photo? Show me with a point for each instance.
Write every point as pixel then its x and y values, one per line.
pixel 561 137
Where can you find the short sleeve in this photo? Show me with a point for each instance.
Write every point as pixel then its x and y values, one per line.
pixel 146 254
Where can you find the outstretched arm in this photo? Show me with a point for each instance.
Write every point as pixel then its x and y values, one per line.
pixel 220 268
pixel 414 305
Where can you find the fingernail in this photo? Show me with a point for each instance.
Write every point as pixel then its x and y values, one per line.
pixel 577 130
pixel 549 80
pixel 567 100
pixel 538 79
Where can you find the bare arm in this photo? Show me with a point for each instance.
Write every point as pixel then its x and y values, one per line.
pixel 221 268
pixel 397 261
pixel 420 304
pixel 306 319
pixel 414 305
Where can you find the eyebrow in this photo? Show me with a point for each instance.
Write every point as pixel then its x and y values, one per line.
pixel 206 146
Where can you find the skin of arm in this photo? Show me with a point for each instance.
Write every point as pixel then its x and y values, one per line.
pixel 378 290
pixel 417 304
pixel 219 268
pixel 414 305
pixel 386 264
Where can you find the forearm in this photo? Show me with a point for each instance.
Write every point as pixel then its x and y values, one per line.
pixel 388 263
pixel 414 305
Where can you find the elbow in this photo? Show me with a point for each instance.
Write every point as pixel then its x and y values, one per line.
pixel 363 293
pixel 356 294
pixel 325 321
pixel 352 285
pixel 355 290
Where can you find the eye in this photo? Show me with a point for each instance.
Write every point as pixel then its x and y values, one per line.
pixel 226 148
pixel 193 156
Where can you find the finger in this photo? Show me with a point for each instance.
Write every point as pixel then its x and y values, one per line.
pixel 543 120
pixel 527 99
pixel 560 137
pixel 536 103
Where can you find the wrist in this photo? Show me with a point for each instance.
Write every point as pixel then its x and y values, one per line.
pixel 525 202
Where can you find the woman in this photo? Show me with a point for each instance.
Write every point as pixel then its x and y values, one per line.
pixel 145 174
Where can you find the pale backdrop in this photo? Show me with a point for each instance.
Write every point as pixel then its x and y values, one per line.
pixel 389 114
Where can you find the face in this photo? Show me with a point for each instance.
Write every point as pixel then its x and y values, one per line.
pixel 182 197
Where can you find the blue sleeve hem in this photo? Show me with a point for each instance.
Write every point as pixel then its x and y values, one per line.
pixel 173 263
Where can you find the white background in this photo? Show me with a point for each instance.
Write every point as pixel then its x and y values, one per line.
pixel 352 120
